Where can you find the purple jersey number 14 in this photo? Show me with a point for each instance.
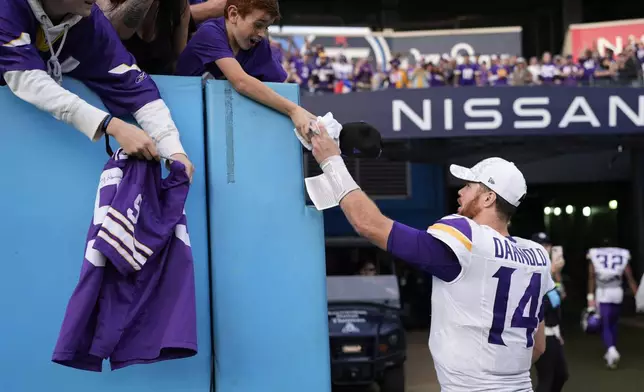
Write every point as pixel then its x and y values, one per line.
pixel 530 323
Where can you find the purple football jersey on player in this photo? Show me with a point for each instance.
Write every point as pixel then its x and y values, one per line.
pixel 92 53
pixel 210 43
pixel 135 300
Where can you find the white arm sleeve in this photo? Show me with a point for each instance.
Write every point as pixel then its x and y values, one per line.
pixel 40 90
pixel 155 119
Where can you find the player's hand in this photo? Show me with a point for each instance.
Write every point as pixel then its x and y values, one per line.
pixel 591 304
pixel 323 145
pixel 132 139
pixel 190 169
pixel 302 120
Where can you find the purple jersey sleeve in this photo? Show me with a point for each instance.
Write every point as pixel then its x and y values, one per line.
pixel 424 251
pixel 108 68
pixel 17 49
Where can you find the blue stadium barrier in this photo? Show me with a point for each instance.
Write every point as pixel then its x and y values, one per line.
pixel 267 246
pixel 47 193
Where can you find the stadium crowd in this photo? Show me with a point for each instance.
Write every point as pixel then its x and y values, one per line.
pixel 318 74
pixel 164 32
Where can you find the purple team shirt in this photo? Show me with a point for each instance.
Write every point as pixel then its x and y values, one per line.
pixel 467 73
pixel 104 65
pixel 210 43
pixel 135 299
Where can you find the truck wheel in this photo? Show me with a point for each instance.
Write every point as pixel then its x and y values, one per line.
pixel 394 380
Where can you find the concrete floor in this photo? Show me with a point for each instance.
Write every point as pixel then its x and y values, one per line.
pixel 584 354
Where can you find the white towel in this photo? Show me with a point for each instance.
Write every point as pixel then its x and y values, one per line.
pixel 333 128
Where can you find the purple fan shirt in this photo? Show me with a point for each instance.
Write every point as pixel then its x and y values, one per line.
pixel 210 43
pixel 101 61
pixel 135 299
pixel 467 74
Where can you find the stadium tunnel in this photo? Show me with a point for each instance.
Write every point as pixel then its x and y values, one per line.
pixel 595 181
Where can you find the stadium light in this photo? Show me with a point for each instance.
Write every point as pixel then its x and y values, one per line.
pixel 612 204
pixel 586 211
pixel 557 211
pixel 569 209
pixel 547 211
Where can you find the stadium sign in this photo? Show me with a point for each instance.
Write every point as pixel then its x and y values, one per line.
pixel 615 35
pixel 483 111
pixel 381 47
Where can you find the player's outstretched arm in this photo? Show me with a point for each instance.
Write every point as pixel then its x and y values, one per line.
pixel 416 247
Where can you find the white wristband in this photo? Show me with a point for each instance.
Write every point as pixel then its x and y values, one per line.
pixel 338 176
pixel 590 297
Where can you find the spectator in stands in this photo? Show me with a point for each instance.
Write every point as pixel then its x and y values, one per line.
pixel 419 77
pixel 435 75
pixel 362 75
pixel 589 64
pixel 235 47
pixel 499 72
pixel 486 77
pixel 397 76
pixel 304 67
pixel 535 69
pixel 548 71
pixel 467 74
pixel 323 76
pixel 291 71
pixel 380 79
pixel 343 75
pixel 521 76
pixel 202 10
pixel 570 72
pixel 629 68
pixel 154 31
pixel 605 72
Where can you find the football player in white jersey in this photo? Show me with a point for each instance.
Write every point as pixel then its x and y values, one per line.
pixel 606 267
pixel 488 287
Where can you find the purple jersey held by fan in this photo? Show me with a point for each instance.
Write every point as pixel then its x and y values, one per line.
pixel 135 299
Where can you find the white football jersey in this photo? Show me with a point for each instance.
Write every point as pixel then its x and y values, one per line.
pixel 609 264
pixel 484 322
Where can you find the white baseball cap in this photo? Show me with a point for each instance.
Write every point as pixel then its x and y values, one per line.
pixel 499 175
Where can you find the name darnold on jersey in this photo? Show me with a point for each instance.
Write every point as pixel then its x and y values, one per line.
pixel 135 299
pixel 609 265
pixel 484 322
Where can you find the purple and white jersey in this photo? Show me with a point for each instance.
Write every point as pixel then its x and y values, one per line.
pixel 484 318
pixel 91 52
pixel 548 73
pixel 135 299
pixel 210 43
pixel 467 74
pixel 568 74
pixel 609 265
